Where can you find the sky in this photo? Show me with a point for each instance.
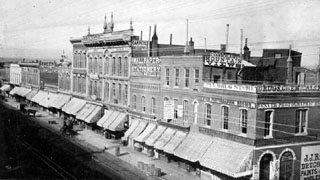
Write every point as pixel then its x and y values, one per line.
pixel 42 28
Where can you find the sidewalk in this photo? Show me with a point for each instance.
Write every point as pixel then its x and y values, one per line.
pixel 96 142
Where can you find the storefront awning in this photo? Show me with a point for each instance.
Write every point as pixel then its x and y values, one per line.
pixel 14 90
pixel 39 96
pixel 60 101
pixel 31 94
pixel 133 126
pixel 5 88
pixel 146 133
pixel 193 146
pixel 174 142
pixel 73 106
pixel 95 115
pixel 165 138
pixel 155 135
pixel 104 118
pixel 110 119
pixel 49 99
pixel 228 157
pixel 117 125
pixel 142 125
pixel 23 91
pixel 85 111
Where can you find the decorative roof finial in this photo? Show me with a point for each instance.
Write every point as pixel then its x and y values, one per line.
pixel 112 25
pixel 105 26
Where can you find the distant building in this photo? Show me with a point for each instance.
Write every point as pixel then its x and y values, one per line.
pixel 15 74
pixel 30 75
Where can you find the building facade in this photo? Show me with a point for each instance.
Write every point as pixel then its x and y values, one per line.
pixel 64 79
pixel 15 74
pixel 30 75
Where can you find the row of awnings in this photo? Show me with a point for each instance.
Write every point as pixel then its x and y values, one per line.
pixel 222 155
pixel 81 109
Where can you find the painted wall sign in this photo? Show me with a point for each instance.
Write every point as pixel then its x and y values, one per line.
pixel 280 88
pixel 310 163
pixel 139 44
pixel 146 66
pixel 168 109
pixel 234 87
pixel 287 105
pixel 219 59
pixel 229 102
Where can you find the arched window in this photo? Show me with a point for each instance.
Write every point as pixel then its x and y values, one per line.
pixel 120 66
pixel 195 112
pixel 120 93
pixel 286 166
pixel 113 65
pixel 90 65
pixel 106 92
pixel 126 67
pixel 265 167
pixel 106 66
pixel 100 65
pixel 125 94
pixel 95 65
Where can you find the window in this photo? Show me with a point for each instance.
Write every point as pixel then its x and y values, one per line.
pixel 153 105
pixel 125 94
pixel 286 166
pixel 114 93
pixel 90 65
pixel 244 120
pixel 268 123
pixel 225 117
pixel 119 94
pixel 106 92
pixel 95 65
pixel 134 102
pixel 175 108
pixel 208 115
pixel 187 76
pixel 143 104
pixel 277 56
pixel 113 65
pixel 120 66
pixel 301 121
pixel 196 76
pixel 176 82
pixel 126 67
pixel 167 76
pixel 106 66
pixel 185 110
pixel 216 79
pixel 100 65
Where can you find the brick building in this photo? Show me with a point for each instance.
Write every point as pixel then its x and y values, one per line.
pixel 30 75
pixel 15 74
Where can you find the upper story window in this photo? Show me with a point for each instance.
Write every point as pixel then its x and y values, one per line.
pixel 90 64
pixel 106 66
pixel 143 103
pixel 185 110
pixel 176 81
pixel 301 123
pixel 225 117
pixel 95 65
pixel 100 65
pixel 208 115
pixel 175 108
pixel 187 73
pixel 153 105
pixel 167 77
pixel 119 93
pixel 113 65
pixel 134 102
pixel 196 76
pixel 126 67
pixel 268 124
pixel 244 121
pixel 120 66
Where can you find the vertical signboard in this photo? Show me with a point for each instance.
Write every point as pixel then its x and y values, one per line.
pixel 168 109
pixel 310 163
pixel 180 110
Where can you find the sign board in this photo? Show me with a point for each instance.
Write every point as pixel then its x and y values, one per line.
pixel 136 44
pixel 146 66
pixel 287 105
pixel 168 109
pixel 310 163
pixel 180 110
pixel 220 59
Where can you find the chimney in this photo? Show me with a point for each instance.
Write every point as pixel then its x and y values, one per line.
pixel 186 48
pixel 227 38
pixel 191 46
pixel 241 40
pixel 246 51
pixel 289 67
pixel 170 39
pixel 222 47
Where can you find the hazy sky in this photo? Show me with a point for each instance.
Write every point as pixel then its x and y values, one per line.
pixel 42 28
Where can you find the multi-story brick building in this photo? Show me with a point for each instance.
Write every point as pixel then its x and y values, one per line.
pixel 30 75
pixel 15 74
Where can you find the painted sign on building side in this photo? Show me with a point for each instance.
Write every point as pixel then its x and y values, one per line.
pixel 168 109
pixel 146 66
pixel 137 44
pixel 310 163
pixel 287 105
pixel 219 59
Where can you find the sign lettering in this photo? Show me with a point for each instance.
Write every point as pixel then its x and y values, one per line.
pixel 220 59
pixel 310 163
pixel 146 66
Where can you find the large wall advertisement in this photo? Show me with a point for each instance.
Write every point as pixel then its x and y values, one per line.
pixel 310 163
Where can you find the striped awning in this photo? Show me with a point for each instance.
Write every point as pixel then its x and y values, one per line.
pixel 174 142
pixel 164 138
pixel 146 133
pixel 155 135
